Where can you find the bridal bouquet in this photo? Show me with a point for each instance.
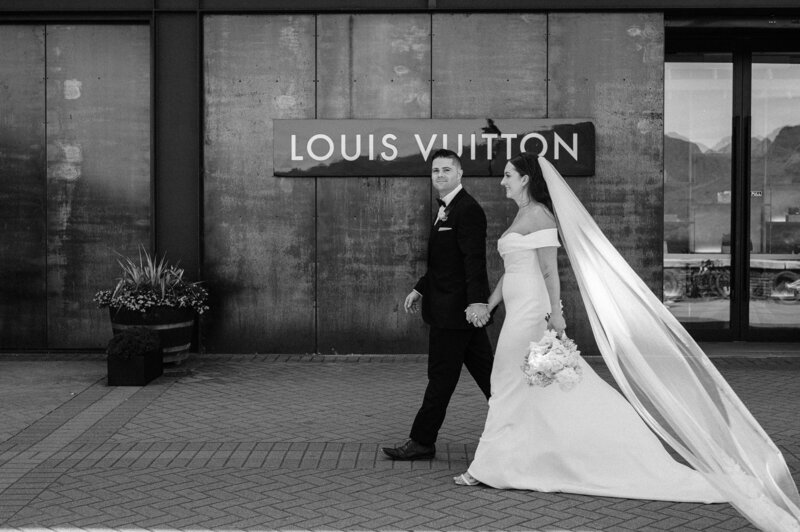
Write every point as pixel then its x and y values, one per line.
pixel 553 359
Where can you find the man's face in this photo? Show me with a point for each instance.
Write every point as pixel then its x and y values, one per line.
pixel 445 175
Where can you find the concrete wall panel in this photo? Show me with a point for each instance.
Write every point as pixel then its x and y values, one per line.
pixel 492 66
pixel 610 67
pixel 371 232
pixel 259 246
pixel 98 170
pixel 303 264
pixel 23 270
pixel 489 65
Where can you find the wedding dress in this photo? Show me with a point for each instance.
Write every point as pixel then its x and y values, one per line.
pixel 660 369
pixel 587 440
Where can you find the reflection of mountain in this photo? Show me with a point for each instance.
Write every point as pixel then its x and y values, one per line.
pixel 771 136
pixel 758 146
pixel 684 161
pixel 710 172
pixel 778 153
pixel 409 165
pixel 702 181
pixel 700 145
pixel 723 146
pixel 413 165
pixel 784 155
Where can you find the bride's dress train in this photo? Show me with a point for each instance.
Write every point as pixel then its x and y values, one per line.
pixel 667 378
pixel 588 440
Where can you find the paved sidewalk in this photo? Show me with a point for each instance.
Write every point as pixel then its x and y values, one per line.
pixel 293 443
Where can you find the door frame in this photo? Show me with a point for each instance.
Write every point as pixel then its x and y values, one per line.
pixel 741 43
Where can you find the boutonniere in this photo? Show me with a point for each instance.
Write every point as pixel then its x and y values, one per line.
pixel 441 216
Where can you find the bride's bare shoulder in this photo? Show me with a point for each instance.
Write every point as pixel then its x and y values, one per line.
pixel 537 218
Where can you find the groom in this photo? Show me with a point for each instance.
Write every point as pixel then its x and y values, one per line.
pixel 455 283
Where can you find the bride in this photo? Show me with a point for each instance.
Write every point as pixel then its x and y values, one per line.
pixel 591 440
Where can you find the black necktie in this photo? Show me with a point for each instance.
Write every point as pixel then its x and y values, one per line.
pixel 441 202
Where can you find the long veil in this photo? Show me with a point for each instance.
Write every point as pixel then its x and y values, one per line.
pixel 668 379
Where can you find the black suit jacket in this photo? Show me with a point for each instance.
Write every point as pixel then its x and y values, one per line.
pixel 456 274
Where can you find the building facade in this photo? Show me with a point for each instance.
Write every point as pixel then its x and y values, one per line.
pixel 151 122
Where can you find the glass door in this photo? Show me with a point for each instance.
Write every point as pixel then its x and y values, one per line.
pixel 732 183
pixel 774 260
pixel 697 189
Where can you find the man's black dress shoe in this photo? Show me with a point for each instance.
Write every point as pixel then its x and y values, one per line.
pixel 410 450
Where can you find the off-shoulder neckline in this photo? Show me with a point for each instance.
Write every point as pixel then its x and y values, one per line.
pixel 528 234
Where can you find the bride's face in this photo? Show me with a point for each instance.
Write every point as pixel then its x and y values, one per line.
pixel 514 183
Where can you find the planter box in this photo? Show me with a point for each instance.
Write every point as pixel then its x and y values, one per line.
pixel 134 371
pixel 173 325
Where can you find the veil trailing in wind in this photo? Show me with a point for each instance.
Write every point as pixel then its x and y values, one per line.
pixel 666 376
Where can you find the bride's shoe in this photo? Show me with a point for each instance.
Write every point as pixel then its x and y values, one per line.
pixel 465 479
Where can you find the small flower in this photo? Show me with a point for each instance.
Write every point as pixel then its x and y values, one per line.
pixel 441 216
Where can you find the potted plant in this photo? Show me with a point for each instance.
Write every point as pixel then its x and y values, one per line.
pixel 153 293
pixel 134 357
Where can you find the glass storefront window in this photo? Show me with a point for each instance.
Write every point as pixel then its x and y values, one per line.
pixel 697 189
pixel 775 192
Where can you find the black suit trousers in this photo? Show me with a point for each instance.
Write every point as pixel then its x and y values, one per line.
pixel 448 350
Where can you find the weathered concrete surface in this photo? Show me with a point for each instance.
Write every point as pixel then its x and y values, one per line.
pixel 364 238
pixel 302 264
pixel 23 270
pixel 610 67
pixel 371 232
pixel 492 66
pixel 98 170
pixel 259 230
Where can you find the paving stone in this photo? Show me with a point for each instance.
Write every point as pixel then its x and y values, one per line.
pixel 285 442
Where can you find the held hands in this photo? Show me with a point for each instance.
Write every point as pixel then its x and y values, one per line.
pixel 478 314
pixel 411 304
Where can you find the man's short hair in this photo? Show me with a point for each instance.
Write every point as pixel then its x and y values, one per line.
pixel 447 154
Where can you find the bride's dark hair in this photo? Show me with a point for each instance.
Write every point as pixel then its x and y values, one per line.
pixel 527 164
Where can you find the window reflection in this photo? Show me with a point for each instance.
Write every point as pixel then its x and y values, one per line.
pixel 775 192
pixel 697 189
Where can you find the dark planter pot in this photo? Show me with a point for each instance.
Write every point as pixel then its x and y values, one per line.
pixel 134 370
pixel 173 325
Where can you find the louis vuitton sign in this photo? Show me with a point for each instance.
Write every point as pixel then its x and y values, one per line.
pixel 402 147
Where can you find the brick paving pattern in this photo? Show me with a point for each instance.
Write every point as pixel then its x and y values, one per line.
pixel 293 443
